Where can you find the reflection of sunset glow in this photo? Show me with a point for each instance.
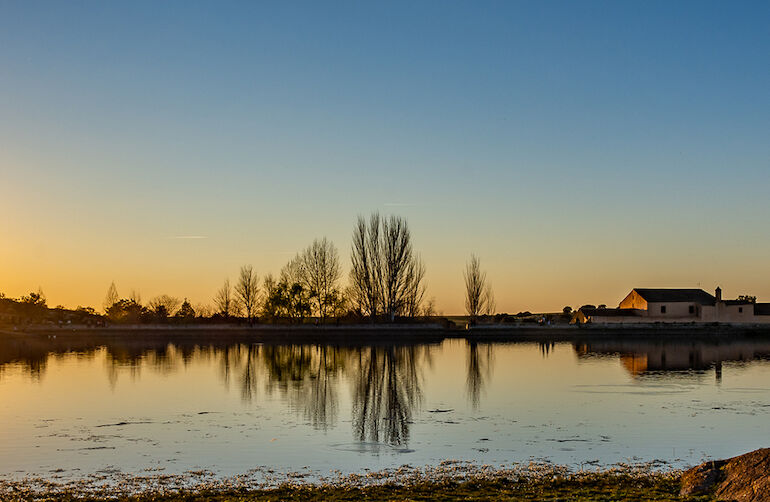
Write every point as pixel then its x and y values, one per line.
pixel 364 406
pixel 635 364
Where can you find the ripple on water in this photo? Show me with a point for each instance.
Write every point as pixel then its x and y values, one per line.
pixel 371 447
pixel 627 389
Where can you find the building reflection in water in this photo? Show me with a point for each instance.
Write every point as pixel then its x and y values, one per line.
pixel 641 357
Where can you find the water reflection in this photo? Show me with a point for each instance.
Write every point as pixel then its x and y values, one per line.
pixel 385 380
pixel 387 390
pixel 640 357
pixel 306 377
pixel 479 371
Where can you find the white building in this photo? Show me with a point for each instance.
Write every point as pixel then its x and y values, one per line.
pixel 645 305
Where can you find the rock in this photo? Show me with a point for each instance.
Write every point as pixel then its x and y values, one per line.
pixel 701 479
pixel 745 478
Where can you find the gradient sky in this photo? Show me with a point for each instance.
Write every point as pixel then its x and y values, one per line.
pixel 579 148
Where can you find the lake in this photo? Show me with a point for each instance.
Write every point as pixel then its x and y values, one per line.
pixel 69 410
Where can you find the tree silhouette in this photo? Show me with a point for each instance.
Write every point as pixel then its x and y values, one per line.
pixel 164 306
pixel 479 297
pixel 386 275
pixel 185 312
pixel 111 297
pixel 320 271
pixel 224 300
pixel 246 291
pixel 33 306
pixel 126 310
pixel 282 300
pixel 365 272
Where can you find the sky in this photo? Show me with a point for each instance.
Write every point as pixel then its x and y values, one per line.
pixel 580 149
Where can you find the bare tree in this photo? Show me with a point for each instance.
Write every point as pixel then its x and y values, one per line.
pixel 489 300
pixel 112 297
pixel 224 299
pixel 365 267
pixel 247 291
pixel 319 272
pixel 268 284
pixel 203 310
pixel 386 275
pixel 415 291
pixel 165 305
pixel 397 259
pixel 429 310
pixel 475 287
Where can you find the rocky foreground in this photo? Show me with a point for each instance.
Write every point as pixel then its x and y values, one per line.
pixel 745 478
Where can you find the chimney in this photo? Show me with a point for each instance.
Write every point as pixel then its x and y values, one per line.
pixel 719 294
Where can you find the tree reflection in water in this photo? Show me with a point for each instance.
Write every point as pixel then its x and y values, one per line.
pixel 479 371
pixel 306 375
pixel 385 379
pixel 545 348
pixel 320 400
pixel 386 383
pixel 239 363
pixel 386 393
pixel 303 375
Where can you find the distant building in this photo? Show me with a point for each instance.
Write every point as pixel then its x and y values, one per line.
pixel 644 305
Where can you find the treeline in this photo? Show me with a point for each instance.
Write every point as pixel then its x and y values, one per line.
pixel 33 309
pixel 386 282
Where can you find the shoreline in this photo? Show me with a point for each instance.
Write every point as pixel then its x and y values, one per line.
pixel 449 479
pixel 742 477
pixel 398 333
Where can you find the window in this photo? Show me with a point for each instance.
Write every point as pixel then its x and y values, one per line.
pixel 740 310
pixel 692 309
pixel 662 309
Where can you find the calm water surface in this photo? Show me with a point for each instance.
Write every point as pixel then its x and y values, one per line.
pixel 229 409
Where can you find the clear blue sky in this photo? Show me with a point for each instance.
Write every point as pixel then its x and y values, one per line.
pixel 580 148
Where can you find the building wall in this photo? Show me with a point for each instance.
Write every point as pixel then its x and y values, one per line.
pixel 735 313
pixel 597 319
pixel 674 310
pixel 708 313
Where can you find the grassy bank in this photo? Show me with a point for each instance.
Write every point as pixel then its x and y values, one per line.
pixel 576 487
